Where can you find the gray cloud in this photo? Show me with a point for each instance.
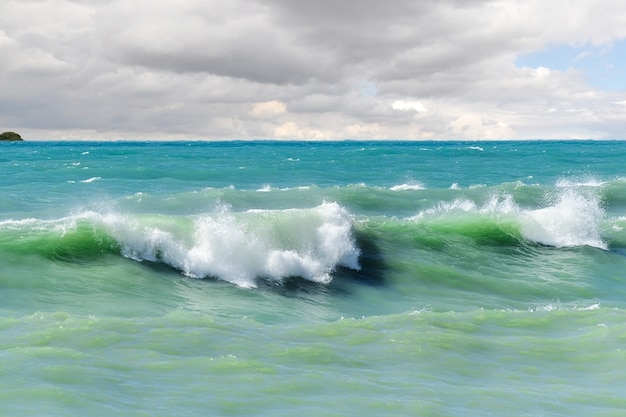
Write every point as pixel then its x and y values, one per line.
pixel 327 69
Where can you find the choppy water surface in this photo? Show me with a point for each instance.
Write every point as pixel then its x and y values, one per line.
pixel 291 278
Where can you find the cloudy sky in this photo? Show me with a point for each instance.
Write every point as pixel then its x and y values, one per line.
pixel 324 69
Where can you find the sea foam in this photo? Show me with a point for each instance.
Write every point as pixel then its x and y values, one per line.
pixel 408 187
pixel 572 219
pixel 241 247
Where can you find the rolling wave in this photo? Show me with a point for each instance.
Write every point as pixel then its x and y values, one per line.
pixel 572 220
pixel 312 243
pixel 236 247
pixel 67 239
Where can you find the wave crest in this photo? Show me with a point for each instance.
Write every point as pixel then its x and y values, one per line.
pixel 236 247
pixel 240 247
pixel 574 219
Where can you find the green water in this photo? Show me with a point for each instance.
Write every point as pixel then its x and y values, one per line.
pixel 335 279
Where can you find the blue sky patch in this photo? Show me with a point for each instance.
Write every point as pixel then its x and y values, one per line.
pixel 605 66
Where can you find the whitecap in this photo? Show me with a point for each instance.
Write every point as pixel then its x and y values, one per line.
pixel 241 247
pixel 574 220
pixel 408 187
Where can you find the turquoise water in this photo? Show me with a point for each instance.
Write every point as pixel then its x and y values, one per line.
pixel 310 278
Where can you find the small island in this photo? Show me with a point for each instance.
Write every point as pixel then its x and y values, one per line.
pixel 10 136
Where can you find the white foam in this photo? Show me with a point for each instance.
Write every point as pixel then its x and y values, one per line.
pixel 558 307
pixel 16 224
pixel 495 205
pixel 573 220
pixel 408 187
pixel 240 247
pixel 92 179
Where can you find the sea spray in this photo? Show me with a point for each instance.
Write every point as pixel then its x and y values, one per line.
pixel 240 247
pixel 573 220
pixel 236 247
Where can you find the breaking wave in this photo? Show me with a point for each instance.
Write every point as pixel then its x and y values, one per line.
pixel 236 247
pixel 572 219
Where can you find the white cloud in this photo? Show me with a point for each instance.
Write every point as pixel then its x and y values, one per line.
pixel 371 130
pixel 474 127
pixel 291 130
pixel 268 109
pixel 409 105
pixel 542 72
pixel 210 69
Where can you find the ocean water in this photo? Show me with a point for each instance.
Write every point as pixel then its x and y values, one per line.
pixel 313 279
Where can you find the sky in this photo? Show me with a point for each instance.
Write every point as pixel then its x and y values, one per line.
pixel 327 69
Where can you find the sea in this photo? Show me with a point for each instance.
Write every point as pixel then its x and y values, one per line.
pixel 348 278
